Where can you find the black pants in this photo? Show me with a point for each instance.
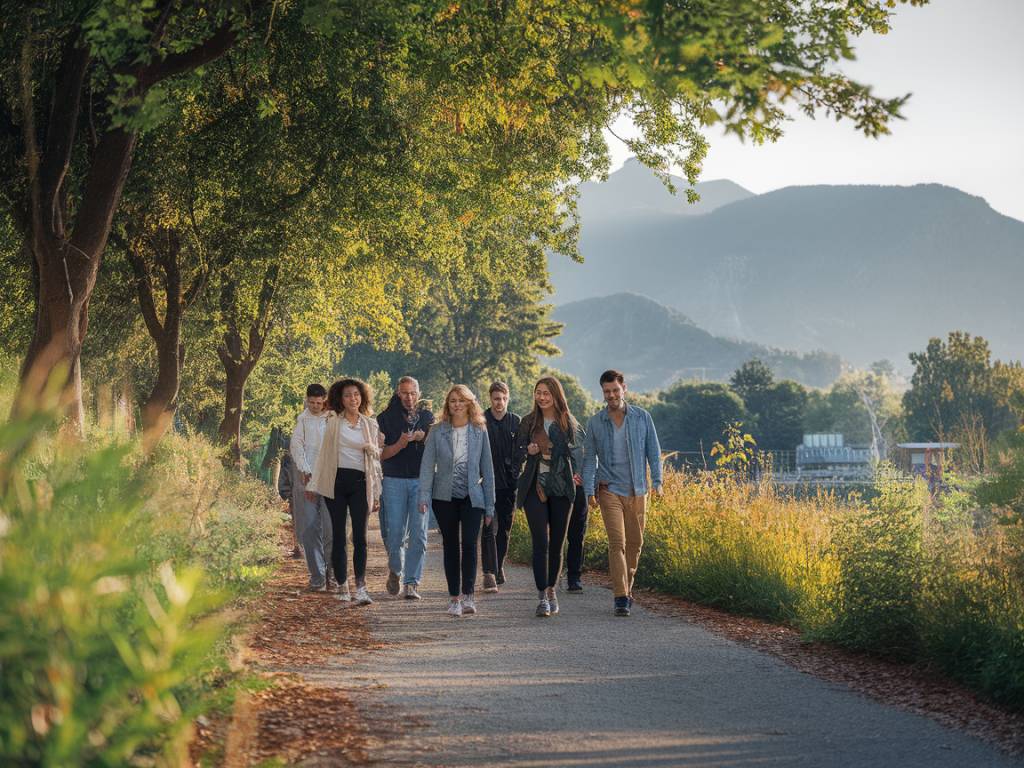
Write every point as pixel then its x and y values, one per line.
pixel 349 497
pixel 455 517
pixel 577 532
pixel 494 536
pixel 548 521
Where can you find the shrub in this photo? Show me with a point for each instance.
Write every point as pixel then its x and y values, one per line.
pixel 107 617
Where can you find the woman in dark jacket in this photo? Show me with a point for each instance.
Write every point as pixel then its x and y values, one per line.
pixel 551 442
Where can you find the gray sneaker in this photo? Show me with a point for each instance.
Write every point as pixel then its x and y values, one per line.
pixel 468 605
pixel 552 601
pixel 411 593
pixel 393 584
pixel 543 607
pixel 362 596
pixel 490 583
pixel 343 594
pixel 316 588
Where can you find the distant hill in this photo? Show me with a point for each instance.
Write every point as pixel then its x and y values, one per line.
pixel 634 190
pixel 866 272
pixel 656 346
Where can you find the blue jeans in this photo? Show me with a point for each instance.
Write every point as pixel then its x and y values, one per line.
pixel 404 528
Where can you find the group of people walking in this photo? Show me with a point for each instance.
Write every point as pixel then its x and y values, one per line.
pixel 471 467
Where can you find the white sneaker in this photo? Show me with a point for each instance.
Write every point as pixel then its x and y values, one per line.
pixel 552 600
pixel 468 605
pixel 454 608
pixel 362 596
pixel 343 594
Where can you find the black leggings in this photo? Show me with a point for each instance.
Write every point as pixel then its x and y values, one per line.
pixel 494 543
pixel 548 521
pixel 349 496
pixel 459 557
pixel 577 532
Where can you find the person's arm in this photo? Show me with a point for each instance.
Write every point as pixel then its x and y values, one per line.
pixel 487 470
pixel 426 484
pixel 576 450
pixel 590 460
pixel 392 449
pixel 297 448
pixel 653 453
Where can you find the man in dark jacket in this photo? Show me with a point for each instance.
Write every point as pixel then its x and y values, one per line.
pixel 502 426
pixel 403 527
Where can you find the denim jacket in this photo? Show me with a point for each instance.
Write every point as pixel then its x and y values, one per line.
pixel 644 450
pixel 438 466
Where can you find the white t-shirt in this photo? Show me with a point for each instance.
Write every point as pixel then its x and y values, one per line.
pixel 350 446
pixel 460 461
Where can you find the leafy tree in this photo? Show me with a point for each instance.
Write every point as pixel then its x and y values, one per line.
pixel 780 419
pixel 751 379
pixel 692 416
pixel 955 390
pixel 105 66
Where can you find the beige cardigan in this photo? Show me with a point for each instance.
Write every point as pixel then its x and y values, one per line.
pixel 322 481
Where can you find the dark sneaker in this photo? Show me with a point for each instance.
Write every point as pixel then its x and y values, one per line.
pixel 490 585
pixel 575 586
pixel 622 606
pixel 499 577
pixel 394 583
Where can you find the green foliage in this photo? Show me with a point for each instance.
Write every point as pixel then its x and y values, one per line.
pixel 107 622
pixel 1003 488
pixel 957 394
pixel 878 550
pixel 692 416
pixel 737 453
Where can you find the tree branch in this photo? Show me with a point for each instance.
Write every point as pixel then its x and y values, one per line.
pixel 177 63
pixel 143 287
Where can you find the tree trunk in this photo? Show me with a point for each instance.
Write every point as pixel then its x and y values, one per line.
pixel 68 254
pixel 230 430
pixel 239 359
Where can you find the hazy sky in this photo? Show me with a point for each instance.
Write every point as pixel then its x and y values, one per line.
pixel 963 61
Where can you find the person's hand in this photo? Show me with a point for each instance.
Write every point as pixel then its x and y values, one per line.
pixel 488 519
pixel 403 440
pixel 423 509
pixel 376 505
pixel 592 501
pixel 577 479
pixel 418 435
pixel 533 449
pixel 306 477
pixel 658 491
pixel 310 496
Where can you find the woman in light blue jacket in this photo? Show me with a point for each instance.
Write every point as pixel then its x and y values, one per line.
pixel 457 478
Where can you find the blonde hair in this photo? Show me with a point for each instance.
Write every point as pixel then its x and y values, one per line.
pixel 473 410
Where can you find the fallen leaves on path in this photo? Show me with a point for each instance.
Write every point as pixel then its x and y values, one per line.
pixel 295 720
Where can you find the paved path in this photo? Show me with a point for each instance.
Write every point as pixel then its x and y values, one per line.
pixel 585 688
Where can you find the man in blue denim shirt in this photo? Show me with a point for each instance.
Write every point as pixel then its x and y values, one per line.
pixel 621 444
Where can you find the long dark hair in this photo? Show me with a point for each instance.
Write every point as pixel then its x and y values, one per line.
pixel 337 390
pixel 562 414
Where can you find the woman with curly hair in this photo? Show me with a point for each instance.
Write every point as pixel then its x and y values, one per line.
pixel 551 442
pixel 457 477
pixel 348 476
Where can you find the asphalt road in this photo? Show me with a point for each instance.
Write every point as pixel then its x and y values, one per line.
pixel 585 688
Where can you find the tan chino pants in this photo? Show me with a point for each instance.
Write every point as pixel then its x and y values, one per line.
pixel 624 521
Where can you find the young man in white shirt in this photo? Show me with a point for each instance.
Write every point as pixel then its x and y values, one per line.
pixel 311 518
